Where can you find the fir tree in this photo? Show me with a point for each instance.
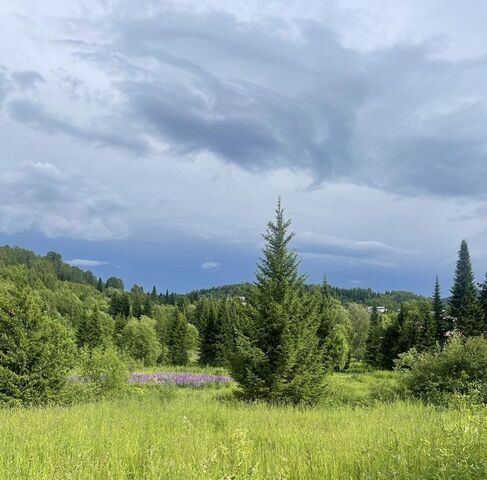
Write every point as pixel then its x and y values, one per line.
pixel 277 357
pixel 464 307
pixel 99 285
pixel 154 294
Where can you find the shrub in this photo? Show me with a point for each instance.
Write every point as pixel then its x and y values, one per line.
pixel 106 369
pixel 459 369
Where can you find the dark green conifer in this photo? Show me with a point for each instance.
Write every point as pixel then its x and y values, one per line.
pixel 483 305
pixel 464 307
pixel 178 339
pixel 374 339
pixel 277 357
pixel 439 315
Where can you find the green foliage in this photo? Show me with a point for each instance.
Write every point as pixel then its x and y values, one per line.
pixel 464 306
pixel 36 351
pixel 358 331
pixel 460 368
pixel 439 317
pixel 218 322
pixel 336 349
pixel 106 369
pixel 414 327
pixel 333 330
pixel 96 329
pixel 483 304
pixel 277 356
pixel 178 339
pixel 115 282
pixel 197 435
pixel 139 340
pixel 374 340
pixel 119 305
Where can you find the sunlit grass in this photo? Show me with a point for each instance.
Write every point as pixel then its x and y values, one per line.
pixel 171 433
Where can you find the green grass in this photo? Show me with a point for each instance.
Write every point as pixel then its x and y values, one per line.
pixel 170 433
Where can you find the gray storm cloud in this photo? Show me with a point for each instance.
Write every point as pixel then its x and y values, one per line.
pixel 277 93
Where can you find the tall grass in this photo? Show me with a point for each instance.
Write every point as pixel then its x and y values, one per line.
pixel 170 433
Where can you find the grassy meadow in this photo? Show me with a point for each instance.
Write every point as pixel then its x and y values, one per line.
pixel 363 430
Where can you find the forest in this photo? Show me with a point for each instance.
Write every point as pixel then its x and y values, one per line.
pixel 272 379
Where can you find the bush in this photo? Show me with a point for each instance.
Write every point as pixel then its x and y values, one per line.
pixel 459 369
pixel 106 369
pixel 36 351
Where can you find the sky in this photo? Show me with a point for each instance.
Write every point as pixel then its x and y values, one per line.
pixel 150 140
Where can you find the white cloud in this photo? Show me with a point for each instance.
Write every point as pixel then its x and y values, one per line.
pixel 211 266
pixel 81 262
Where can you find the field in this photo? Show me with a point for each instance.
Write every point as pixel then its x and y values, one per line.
pixel 185 433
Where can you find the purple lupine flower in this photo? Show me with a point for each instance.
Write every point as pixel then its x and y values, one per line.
pixel 188 379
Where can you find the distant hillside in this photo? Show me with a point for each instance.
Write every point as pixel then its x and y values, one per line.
pixel 11 256
pixel 364 296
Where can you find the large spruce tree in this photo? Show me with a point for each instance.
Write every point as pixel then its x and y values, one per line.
pixel 464 307
pixel 277 358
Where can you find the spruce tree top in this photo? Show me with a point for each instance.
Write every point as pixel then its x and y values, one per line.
pixel 278 269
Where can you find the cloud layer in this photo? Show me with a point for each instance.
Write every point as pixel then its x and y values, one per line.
pixel 186 120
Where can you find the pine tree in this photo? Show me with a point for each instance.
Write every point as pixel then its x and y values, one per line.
pixel 464 307
pixel 154 294
pixel 277 357
pixel 439 316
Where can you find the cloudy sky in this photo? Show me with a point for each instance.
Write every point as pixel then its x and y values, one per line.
pixel 151 139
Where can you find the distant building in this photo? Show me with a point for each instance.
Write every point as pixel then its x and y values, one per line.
pixel 380 309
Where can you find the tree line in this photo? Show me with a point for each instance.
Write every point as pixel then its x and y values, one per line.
pixel 278 336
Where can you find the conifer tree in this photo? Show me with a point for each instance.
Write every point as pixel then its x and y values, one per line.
pixel 178 339
pixel 154 294
pixel 373 344
pixel 37 351
pixel 96 329
pixel 439 317
pixel 483 305
pixel 277 357
pixel 119 305
pixel 100 285
pixel 137 307
pixel 464 307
